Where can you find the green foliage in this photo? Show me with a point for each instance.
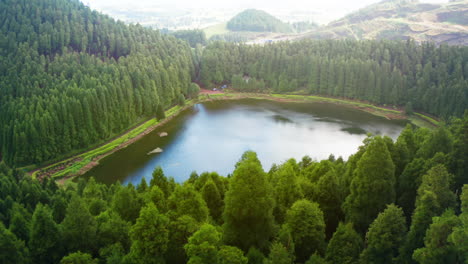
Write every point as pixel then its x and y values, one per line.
pixel 409 108
pixel 158 179
pixel 181 100
pixel 12 250
pixel 255 256
pixel 279 255
pixel 381 72
pixel 248 212
pixel 107 223
pixel 257 20
pixel 202 246
pixel 316 259
pixel 307 225
pixel 78 78
pixel 286 189
pixel 20 224
pixel 149 236
pixel 438 249
pixel 345 245
pixel 384 237
pixel 126 203
pixel 459 236
pixel 373 185
pixel 193 37
pixel 78 258
pixel 79 227
pixel 213 199
pixel 231 255
pixel 45 237
pixel 160 115
pixel 185 200
pixel 193 90
pixel 112 229
pixel 179 232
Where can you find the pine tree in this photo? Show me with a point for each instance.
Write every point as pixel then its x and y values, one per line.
pixel 345 245
pixel 307 228
pixel 372 187
pixel 44 240
pixel 384 237
pixel 149 236
pixel 248 212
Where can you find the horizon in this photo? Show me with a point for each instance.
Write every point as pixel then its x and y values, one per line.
pixel 321 12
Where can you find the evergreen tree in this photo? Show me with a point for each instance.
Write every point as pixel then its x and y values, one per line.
pixel 44 240
pixel 149 236
pixel 345 245
pixel 372 187
pixel 79 227
pixel 78 258
pixel 437 248
pixel 248 212
pixel 307 228
pixel 202 246
pixel 12 250
pixel 384 237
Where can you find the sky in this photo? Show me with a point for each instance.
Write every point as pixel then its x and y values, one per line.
pixel 329 9
pixel 319 4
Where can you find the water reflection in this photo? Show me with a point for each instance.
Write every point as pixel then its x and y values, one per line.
pixel 212 136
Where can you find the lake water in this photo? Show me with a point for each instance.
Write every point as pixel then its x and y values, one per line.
pixel 212 137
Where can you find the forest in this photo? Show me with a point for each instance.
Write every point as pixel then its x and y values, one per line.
pixel 433 79
pixel 257 21
pixel 72 78
pixel 391 202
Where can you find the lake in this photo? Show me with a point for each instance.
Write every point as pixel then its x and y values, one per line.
pixel 212 136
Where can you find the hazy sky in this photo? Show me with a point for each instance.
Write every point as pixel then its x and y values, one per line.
pixel 332 8
pixel 286 4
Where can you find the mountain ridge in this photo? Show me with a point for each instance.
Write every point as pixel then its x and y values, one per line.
pixel 395 19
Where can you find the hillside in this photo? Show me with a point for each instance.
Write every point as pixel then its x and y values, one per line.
pixel 71 78
pixel 402 19
pixel 257 21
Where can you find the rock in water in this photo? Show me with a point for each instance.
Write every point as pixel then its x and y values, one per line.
pixel 156 150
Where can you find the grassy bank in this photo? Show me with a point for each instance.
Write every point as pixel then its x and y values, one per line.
pixel 80 164
pixel 417 119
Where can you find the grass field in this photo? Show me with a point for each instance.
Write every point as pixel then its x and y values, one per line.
pixel 216 30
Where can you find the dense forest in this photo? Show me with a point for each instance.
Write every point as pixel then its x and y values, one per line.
pixel 193 37
pixel 391 202
pixel 434 79
pixel 71 77
pixel 258 21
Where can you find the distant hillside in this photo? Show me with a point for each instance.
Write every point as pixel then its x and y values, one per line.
pixel 402 19
pixel 257 21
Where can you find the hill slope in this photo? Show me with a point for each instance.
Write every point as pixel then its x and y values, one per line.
pixel 402 19
pixel 257 21
pixel 71 78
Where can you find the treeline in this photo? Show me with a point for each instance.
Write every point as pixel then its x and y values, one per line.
pixel 193 37
pixel 434 79
pixel 258 21
pixel 391 202
pixel 71 78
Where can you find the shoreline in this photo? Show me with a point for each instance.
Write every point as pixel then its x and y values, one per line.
pixel 79 164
